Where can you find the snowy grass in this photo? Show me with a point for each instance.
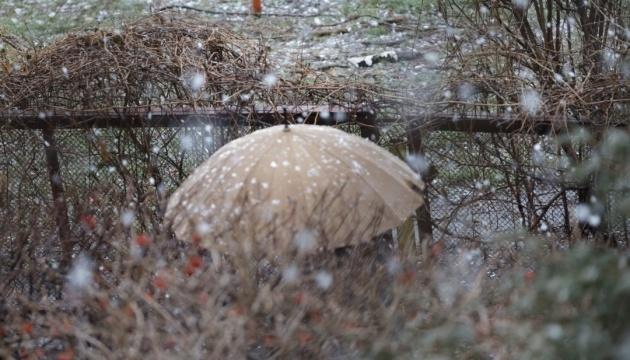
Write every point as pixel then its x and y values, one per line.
pixel 40 20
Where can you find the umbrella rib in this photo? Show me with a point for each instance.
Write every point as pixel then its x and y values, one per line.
pixel 186 194
pixel 314 161
pixel 378 165
pixel 253 169
pixel 320 200
pixel 365 180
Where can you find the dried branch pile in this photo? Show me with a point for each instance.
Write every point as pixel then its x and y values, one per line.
pixel 540 58
pixel 162 60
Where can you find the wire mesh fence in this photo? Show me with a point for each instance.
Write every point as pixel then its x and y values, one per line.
pixel 488 184
pixel 482 184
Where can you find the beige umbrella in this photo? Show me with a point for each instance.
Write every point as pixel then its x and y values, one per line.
pixel 302 187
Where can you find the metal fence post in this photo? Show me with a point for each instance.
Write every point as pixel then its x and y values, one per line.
pixel 60 206
pixel 423 213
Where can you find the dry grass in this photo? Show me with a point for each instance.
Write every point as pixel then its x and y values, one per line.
pixel 147 294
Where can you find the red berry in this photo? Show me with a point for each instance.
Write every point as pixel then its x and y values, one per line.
pixel 160 282
pixel 27 328
pixel 89 221
pixel 143 240
pixel 304 337
pixel 298 298
pixel 66 355
pixel 529 275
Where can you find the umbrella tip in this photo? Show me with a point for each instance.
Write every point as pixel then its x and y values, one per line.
pixel 286 121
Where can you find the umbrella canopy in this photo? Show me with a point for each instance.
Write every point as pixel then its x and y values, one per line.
pixel 303 186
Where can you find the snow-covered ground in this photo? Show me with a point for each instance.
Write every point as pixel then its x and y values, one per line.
pixel 322 34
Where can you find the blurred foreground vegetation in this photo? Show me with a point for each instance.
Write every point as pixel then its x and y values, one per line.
pixel 136 293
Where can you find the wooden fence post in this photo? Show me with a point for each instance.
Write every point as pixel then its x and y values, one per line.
pixel 60 207
pixel 423 213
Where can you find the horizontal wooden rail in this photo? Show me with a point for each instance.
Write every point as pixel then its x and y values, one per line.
pixel 325 115
pixel 500 123
pixel 180 117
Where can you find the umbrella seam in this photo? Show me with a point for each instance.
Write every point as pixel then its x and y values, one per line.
pixel 366 182
pixel 377 165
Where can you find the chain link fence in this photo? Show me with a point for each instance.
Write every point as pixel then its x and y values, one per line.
pixel 489 184
pixel 483 185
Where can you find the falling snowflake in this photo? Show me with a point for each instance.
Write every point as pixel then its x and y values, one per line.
pixel 80 276
pixel 520 4
pixel 270 80
pixel 290 274
pixel 195 81
pixel 530 101
pixel 323 279
pixel 554 331
pixel 466 91
pixel 393 265
pixel 203 228
pixel 417 162
pixel 543 226
pixel 187 142
pixel 305 241
pixel 432 57
pixel 127 218
pixel 339 117
pixel 584 213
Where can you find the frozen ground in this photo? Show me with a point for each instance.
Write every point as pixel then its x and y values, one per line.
pixel 324 34
pixel 335 33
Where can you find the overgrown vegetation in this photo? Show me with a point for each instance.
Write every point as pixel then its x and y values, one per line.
pixel 130 289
